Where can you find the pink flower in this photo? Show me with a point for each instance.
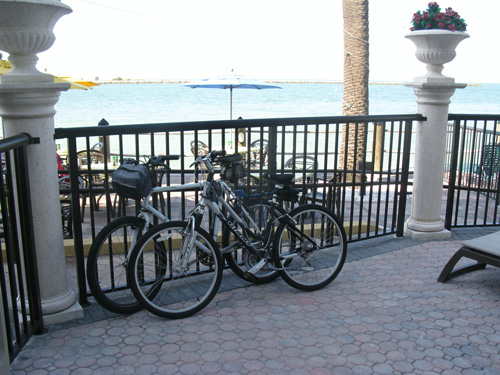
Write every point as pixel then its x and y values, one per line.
pixel 451 13
pixel 439 16
pixel 434 18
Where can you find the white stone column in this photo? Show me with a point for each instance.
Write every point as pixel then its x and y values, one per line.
pixel 430 145
pixel 434 91
pixel 27 100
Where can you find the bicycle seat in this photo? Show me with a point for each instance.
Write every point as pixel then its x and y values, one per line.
pixel 283 179
pixel 229 159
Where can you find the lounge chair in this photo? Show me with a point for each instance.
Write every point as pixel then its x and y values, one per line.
pixel 485 250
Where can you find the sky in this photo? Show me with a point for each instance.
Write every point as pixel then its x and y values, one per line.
pixel 264 39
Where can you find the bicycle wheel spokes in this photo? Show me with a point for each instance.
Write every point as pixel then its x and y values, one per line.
pixel 311 252
pixel 170 282
pixel 107 265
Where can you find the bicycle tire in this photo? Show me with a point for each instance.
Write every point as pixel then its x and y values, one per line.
pixel 107 265
pixel 310 269
pixel 240 260
pixel 176 293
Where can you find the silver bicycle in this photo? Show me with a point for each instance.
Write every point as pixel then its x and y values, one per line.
pixel 109 253
pixel 175 269
pixel 108 256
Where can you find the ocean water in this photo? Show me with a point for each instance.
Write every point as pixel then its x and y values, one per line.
pixel 122 104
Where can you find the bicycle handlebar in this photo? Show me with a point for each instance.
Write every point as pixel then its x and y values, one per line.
pixel 159 160
pixel 209 158
pixel 154 161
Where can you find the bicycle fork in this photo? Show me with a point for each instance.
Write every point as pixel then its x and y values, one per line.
pixel 189 241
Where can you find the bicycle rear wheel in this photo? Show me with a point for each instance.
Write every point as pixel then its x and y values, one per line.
pixel 162 283
pixel 311 249
pixel 107 264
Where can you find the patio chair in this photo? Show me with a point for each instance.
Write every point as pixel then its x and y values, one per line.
pixel 94 159
pixel 259 150
pixel 199 148
pixel 299 164
pixel 484 250
pixel 303 168
pixel 487 172
pixel 65 202
pixel 327 194
pixel 490 160
pixel 98 147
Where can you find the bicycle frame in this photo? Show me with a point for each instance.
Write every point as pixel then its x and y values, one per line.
pixel 215 203
pixel 147 208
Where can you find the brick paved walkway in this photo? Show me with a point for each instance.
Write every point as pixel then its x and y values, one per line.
pixel 384 314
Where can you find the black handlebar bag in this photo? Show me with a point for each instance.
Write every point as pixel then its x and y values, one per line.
pixel 132 181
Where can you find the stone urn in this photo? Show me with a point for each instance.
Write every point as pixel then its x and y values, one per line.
pixel 435 48
pixel 26 29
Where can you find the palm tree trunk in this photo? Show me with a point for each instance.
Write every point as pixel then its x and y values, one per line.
pixel 356 73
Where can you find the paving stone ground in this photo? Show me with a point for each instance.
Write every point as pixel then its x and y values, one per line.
pixel 384 314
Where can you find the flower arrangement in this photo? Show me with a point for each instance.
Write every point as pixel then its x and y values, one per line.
pixel 433 18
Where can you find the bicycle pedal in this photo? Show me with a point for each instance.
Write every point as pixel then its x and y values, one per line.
pixel 251 277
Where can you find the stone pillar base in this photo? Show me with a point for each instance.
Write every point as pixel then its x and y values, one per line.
pixel 71 313
pixel 426 230
pixel 416 235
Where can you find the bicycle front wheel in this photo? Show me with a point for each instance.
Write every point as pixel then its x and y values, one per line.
pixel 107 264
pixel 310 250
pixel 169 281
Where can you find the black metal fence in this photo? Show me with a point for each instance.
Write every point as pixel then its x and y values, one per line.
pixel 473 171
pixel 370 196
pixel 19 275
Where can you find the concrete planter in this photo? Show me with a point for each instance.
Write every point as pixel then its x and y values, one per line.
pixel 26 29
pixel 436 48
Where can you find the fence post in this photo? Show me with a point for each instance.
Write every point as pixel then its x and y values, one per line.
pixel 404 179
pixel 105 140
pixel 453 175
pixel 272 148
pixel 4 347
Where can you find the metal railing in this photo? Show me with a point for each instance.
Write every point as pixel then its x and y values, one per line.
pixel 370 195
pixel 19 276
pixel 473 171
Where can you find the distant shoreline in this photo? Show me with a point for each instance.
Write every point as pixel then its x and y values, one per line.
pixel 180 82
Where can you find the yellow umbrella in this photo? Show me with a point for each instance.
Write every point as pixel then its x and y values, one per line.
pixel 73 85
pixel 79 81
pixel 5 66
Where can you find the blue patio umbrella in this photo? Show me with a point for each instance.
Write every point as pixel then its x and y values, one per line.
pixel 231 81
